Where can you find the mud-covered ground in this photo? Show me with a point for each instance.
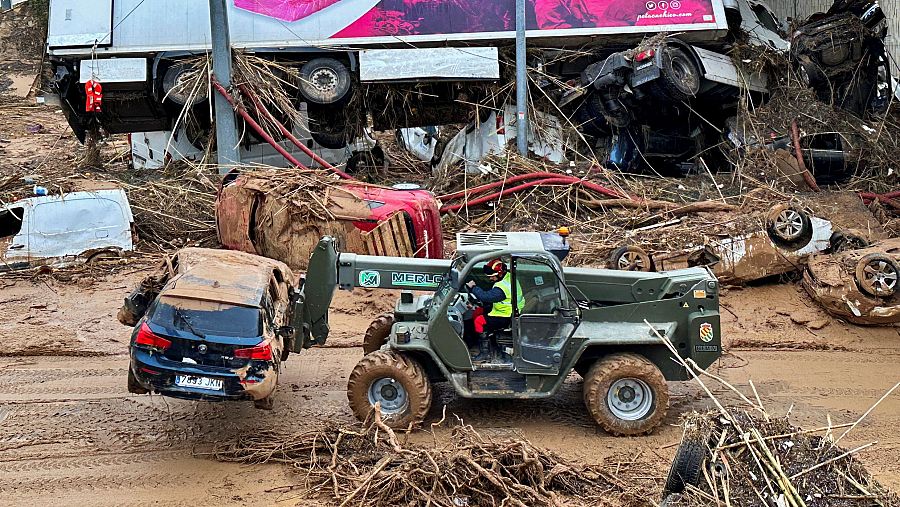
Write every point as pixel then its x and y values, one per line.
pixel 70 432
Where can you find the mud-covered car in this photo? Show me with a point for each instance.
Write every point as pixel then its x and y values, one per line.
pixel 786 237
pixel 211 325
pixel 859 285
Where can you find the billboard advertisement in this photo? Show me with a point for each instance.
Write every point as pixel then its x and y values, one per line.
pixel 403 18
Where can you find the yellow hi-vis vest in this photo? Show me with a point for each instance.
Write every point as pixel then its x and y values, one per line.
pixel 504 308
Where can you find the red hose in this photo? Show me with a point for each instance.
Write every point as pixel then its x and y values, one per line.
pixel 884 198
pixel 559 180
pixel 798 152
pixel 255 126
pixel 488 186
pixel 288 134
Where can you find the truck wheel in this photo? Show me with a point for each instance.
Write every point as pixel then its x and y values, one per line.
pixel 686 466
pixel 377 333
pixel 398 382
pixel 135 387
pixel 877 274
pixel 631 258
pixel 182 85
pixel 787 225
pixel 679 76
pixel 324 80
pixel 626 394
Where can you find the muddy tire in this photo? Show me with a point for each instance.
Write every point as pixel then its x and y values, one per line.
pixel 686 467
pixel 626 394
pixel 877 274
pixel 397 381
pixel 324 81
pixel 679 75
pixel 631 258
pixel 842 241
pixel 101 256
pixel 134 387
pixel 267 403
pixel 788 226
pixel 377 333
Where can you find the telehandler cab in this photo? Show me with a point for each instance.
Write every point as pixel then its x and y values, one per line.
pixel 588 320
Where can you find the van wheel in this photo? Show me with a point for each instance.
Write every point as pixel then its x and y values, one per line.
pixel 787 225
pixel 324 81
pixel 135 387
pixel 397 382
pixel 101 256
pixel 377 333
pixel 626 394
pixel 679 76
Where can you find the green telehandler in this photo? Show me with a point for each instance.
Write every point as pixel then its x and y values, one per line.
pixel 593 321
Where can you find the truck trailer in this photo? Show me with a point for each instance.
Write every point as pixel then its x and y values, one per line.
pixel 437 51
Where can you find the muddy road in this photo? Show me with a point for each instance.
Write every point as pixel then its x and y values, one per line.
pixel 70 433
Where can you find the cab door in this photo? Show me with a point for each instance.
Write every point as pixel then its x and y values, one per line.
pixel 545 318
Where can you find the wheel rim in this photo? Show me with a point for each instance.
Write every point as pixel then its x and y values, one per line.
pixel 324 80
pixel 631 261
pixel 630 399
pixel 684 75
pixel 788 224
pixel 881 277
pixel 390 393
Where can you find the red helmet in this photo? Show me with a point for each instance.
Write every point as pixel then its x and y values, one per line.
pixel 495 267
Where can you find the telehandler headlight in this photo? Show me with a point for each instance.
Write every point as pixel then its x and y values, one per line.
pixel 402 334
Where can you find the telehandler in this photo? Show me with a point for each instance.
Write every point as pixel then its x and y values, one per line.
pixel 588 320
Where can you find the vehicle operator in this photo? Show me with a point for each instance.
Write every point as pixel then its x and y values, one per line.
pixel 497 303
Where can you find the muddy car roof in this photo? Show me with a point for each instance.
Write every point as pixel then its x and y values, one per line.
pixel 225 276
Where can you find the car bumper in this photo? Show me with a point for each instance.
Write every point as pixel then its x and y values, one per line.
pixel 157 374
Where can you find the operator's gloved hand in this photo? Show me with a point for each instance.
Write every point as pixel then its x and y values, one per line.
pixel 470 284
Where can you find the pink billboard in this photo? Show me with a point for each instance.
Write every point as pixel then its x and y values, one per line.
pixel 434 17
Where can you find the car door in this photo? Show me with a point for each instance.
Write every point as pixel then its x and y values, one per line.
pixel 546 317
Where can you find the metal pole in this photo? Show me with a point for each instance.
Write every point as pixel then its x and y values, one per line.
pixel 521 81
pixel 226 126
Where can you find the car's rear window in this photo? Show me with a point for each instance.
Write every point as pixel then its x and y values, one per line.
pixel 205 318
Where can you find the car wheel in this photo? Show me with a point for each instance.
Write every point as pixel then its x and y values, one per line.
pixel 679 76
pixel 397 382
pixel 267 403
pixel 686 466
pixel 324 81
pixel 626 394
pixel 377 333
pixel 631 258
pixel 877 274
pixel 787 225
pixel 135 387
pixel 842 241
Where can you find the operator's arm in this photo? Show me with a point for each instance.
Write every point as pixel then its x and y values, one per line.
pixel 494 295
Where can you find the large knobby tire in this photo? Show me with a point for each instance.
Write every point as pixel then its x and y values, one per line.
pixel 626 394
pixel 377 333
pixel 397 381
pixel 686 467
pixel 631 258
pixel 679 75
pixel 324 81
pixel 877 274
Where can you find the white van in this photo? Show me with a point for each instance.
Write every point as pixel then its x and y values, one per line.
pixel 60 230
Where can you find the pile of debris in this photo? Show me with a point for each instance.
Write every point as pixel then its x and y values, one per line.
pixel 751 459
pixel 368 466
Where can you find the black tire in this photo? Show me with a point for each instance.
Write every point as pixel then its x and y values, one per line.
pixel 395 369
pixel 324 81
pixel 377 333
pixel 631 258
pixel 686 467
pixel 625 368
pixel 176 93
pixel 134 387
pixel 267 403
pixel 679 75
pixel 842 241
pixel 788 226
pixel 878 274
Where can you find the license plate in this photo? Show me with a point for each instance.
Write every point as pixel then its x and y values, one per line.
pixel 210 384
